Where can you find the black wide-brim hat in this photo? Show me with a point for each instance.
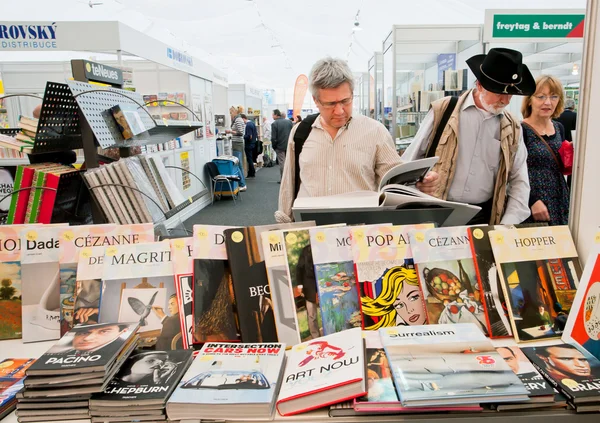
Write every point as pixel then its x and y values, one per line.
pixel 502 71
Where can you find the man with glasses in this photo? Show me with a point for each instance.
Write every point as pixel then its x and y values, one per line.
pixel 483 160
pixel 342 153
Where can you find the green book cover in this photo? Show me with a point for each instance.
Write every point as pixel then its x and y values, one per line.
pixel 10 219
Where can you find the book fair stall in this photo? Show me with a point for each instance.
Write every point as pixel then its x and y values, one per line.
pixel 111 311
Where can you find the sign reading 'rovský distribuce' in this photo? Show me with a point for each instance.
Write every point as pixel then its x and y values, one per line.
pixel 24 36
pixel 538 26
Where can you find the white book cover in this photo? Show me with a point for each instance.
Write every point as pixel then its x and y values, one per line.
pixel 224 373
pixel 339 300
pixel 446 269
pixel 448 364
pixel 388 284
pixel 281 289
pixel 40 278
pixel 183 265
pixel 139 286
pixel 209 242
pixel 324 364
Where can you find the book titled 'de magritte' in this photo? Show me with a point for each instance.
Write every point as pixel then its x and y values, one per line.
pixel 323 371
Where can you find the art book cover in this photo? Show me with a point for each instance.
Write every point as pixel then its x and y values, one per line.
pixel 583 324
pixel 448 364
pixel 84 349
pixel 138 285
pixel 281 289
pixel 250 282
pixel 10 284
pixel 12 373
pixel 539 271
pixel 40 278
pixel 388 283
pixel 232 374
pixel 323 371
pixel 533 381
pixel 446 270
pixel 183 264
pixel 339 301
pixel 146 377
pixel 571 370
pixel 88 291
pixel 213 300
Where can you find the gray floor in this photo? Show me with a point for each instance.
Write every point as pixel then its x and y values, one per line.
pixel 256 207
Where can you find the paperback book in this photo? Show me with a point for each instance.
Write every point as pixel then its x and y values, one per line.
pixel 183 265
pixel 213 300
pixel 444 263
pixel 539 272
pixel 237 379
pixel 138 285
pixel 388 284
pixel 339 301
pixel 448 364
pixel 323 371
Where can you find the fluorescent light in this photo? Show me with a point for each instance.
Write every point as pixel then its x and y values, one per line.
pixel 575 70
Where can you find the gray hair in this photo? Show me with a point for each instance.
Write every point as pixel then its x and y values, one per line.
pixel 330 73
pixel 569 103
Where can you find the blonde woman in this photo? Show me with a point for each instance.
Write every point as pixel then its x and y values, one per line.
pixel 549 195
pixel 399 302
pixel 238 127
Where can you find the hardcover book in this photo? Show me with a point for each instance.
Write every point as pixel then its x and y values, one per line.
pixel 583 324
pixel 138 285
pixel 571 370
pixel 12 373
pixel 448 364
pixel 444 263
pixel 214 303
pixel 539 272
pixel 250 283
pixel 146 378
pixel 339 301
pixel 88 289
pixel 226 379
pixel 539 389
pixel 18 203
pixel 323 371
pixel 183 265
pixel 388 284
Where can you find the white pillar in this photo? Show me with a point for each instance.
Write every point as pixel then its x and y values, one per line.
pixel 585 195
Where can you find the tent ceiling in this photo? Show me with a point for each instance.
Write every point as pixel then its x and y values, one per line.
pixel 269 43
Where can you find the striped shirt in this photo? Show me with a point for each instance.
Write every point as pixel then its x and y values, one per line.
pixel 238 127
pixel 355 160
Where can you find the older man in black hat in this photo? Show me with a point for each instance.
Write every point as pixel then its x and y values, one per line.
pixel 483 160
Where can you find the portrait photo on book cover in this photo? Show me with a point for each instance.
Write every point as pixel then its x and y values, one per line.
pixel 97 339
pixel 152 302
pixel 227 379
pixel 566 363
pixel 150 368
pixel 541 293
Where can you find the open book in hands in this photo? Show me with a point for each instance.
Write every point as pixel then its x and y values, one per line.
pixel 396 190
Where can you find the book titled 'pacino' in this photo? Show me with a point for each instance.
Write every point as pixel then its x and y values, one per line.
pixel 323 371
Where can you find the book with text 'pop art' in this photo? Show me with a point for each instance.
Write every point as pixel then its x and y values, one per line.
pixel 539 273
pixel 323 371
pixel 226 379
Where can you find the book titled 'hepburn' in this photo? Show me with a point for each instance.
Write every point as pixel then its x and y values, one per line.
pixel 85 349
pixel 225 378
pixel 323 371
pixel 448 364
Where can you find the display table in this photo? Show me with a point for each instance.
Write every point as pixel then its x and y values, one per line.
pixel 16 349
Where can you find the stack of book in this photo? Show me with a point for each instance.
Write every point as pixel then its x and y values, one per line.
pixel 58 385
pixel 12 372
pixel 116 187
pixel 24 140
pixel 141 388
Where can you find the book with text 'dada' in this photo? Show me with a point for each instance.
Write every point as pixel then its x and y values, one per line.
pixel 448 364
pixel 226 378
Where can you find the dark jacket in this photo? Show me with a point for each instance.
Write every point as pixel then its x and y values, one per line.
pixel 280 133
pixel 171 327
pixel 305 274
pixel 568 118
pixel 251 135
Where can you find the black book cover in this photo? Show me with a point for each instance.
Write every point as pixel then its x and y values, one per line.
pixel 251 285
pixel 85 348
pixel 574 372
pixel 146 376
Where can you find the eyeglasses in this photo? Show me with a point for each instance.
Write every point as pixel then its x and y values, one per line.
pixel 546 97
pixel 332 104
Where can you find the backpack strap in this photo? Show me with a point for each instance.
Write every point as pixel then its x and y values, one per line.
pixel 440 129
pixel 301 134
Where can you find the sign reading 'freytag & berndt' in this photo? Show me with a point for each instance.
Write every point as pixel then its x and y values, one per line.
pixel 538 26
pixel 28 36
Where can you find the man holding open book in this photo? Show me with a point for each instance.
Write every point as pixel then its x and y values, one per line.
pixel 334 152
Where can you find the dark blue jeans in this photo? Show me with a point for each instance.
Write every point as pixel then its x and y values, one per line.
pixel 249 149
